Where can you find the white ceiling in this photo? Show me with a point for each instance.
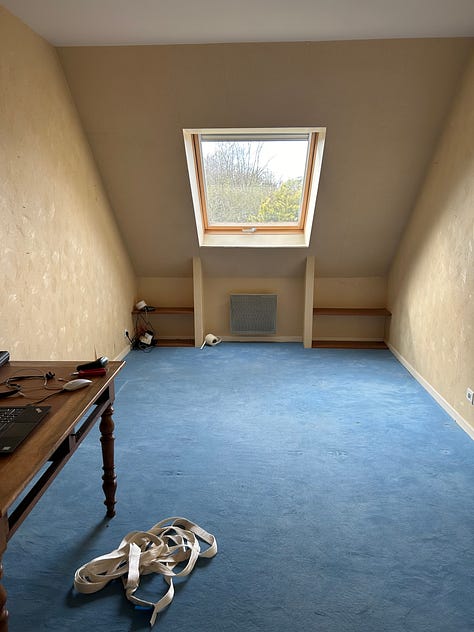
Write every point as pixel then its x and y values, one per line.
pixel 122 22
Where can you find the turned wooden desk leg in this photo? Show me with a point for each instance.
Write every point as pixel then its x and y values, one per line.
pixel 3 592
pixel 3 601
pixel 107 440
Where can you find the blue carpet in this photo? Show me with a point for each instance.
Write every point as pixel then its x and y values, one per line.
pixel 340 493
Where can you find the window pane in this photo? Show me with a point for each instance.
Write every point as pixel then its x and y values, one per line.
pixel 254 181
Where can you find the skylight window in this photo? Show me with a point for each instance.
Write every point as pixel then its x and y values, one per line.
pixel 253 187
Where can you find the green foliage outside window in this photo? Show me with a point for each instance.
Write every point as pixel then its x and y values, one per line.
pixel 241 189
pixel 282 205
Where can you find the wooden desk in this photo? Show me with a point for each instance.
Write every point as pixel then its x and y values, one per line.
pixel 71 417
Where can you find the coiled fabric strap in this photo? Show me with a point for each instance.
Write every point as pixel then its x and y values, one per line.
pixel 168 543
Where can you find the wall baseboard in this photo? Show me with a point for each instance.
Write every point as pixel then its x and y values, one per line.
pixel 174 337
pixel 452 412
pixel 262 338
pixel 125 351
pixel 351 338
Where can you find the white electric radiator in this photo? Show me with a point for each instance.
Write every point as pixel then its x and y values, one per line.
pixel 253 314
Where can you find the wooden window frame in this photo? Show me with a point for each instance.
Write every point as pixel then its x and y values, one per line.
pixel 279 228
pixel 259 235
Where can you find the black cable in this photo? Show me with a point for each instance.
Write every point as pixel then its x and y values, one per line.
pixel 57 392
pixel 142 326
pixel 16 389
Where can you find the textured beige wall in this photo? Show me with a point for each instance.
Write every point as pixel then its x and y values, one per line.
pixel 165 292
pixel 431 284
pixel 68 286
pixel 350 292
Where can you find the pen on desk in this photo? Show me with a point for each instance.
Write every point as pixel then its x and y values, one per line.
pixel 90 373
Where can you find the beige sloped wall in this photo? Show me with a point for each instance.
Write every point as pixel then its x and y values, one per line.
pixel 68 285
pixel 431 283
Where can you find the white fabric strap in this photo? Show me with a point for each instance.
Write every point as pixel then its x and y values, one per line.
pixel 168 543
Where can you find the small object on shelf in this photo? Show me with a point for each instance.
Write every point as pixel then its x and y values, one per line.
pixel 141 306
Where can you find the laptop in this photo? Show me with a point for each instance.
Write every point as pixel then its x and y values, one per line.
pixel 16 423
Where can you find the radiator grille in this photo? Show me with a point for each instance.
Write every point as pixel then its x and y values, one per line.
pixel 253 314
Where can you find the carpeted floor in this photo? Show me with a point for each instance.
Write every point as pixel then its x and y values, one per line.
pixel 340 493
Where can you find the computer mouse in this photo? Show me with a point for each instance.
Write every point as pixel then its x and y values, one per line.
pixel 73 385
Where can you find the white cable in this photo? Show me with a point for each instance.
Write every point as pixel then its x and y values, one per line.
pixel 168 543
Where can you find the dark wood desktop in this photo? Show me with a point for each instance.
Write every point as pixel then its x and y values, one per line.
pixel 71 417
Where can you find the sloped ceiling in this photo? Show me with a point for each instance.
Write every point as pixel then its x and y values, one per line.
pixel 383 103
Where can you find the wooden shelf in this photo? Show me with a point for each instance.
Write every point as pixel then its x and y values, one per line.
pixel 351 311
pixel 349 344
pixel 175 342
pixel 165 310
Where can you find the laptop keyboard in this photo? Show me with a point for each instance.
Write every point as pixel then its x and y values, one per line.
pixel 9 414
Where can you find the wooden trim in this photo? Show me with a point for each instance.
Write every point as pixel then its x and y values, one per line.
pixel 198 302
pixel 259 228
pixel 451 411
pixel 200 180
pixel 280 228
pixel 351 311
pixel 349 344
pixel 175 342
pixel 165 310
pixel 308 302
pixel 309 170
